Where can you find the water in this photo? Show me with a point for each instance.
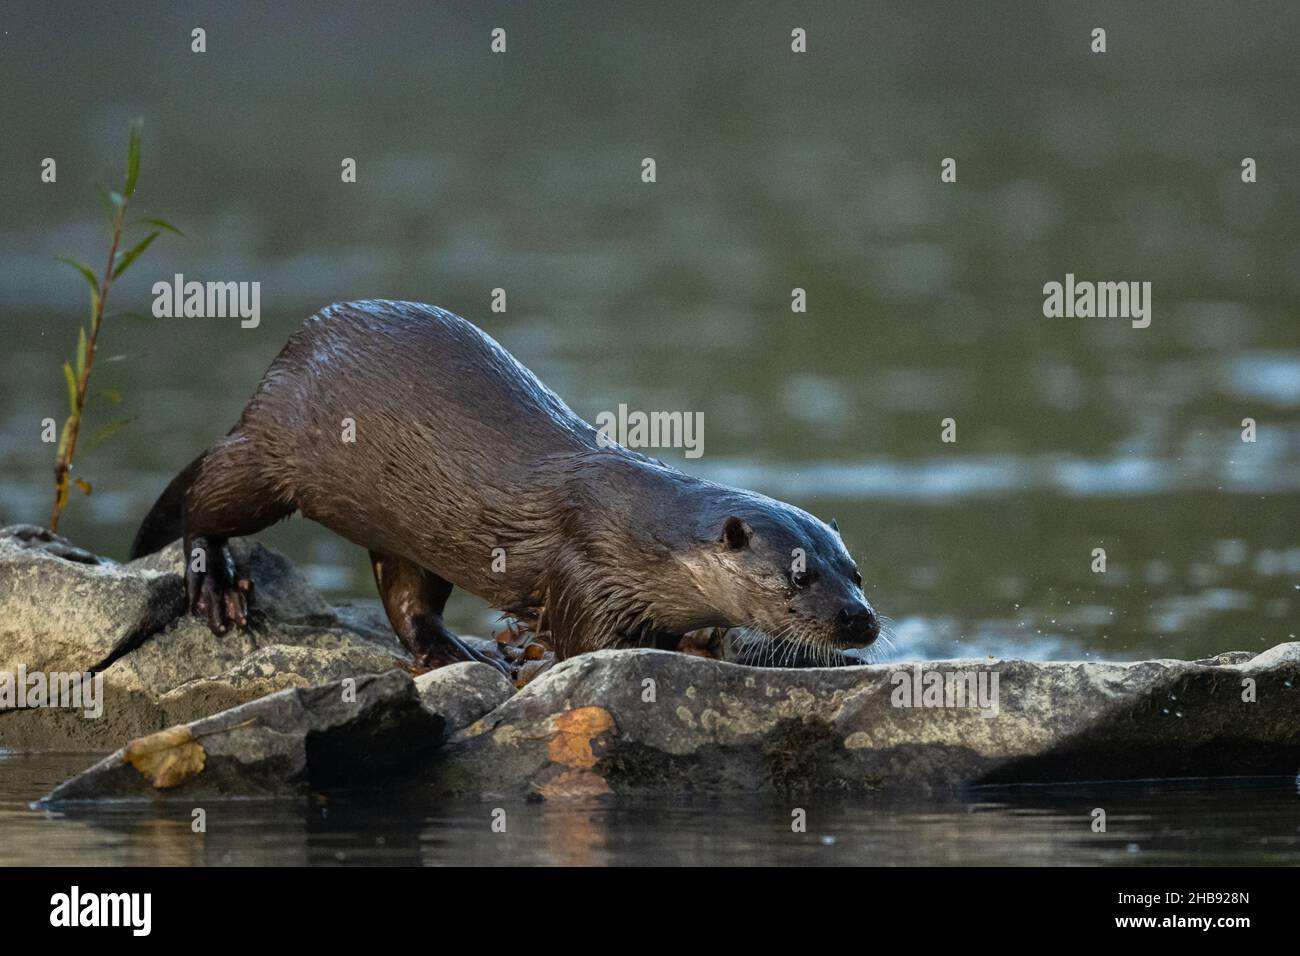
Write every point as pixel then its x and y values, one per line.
pixel 1184 822
pixel 774 171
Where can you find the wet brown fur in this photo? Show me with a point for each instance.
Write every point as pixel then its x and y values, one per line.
pixel 461 450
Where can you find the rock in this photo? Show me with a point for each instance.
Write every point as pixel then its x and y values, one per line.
pixel 64 610
pixel 531 670
pixel 283 744
pixel 462 693
pixel 645 721
pixel 42 539
pixel 608 722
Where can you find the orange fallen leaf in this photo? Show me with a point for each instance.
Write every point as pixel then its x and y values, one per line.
pixel 574 732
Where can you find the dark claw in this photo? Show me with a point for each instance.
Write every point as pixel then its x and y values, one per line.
pixel 452 650
pixel 486 659
pixel 218 594
pixel 236 611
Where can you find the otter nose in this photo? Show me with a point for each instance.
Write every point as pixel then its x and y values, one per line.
pixel 859 622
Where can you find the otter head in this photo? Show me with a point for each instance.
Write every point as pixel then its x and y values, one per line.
pixel 777 570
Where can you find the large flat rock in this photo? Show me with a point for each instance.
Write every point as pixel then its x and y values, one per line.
pixel 653 721
pixel 348 732
pixel 359 732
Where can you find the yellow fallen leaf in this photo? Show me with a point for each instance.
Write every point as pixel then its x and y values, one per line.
pixel 168 758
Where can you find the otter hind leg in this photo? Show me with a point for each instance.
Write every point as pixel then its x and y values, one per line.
pixel 414 600
pixel 227 497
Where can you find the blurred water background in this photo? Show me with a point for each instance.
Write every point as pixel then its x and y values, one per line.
pixel 775 171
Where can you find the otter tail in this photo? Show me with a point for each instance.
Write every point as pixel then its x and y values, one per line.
pixel 163 524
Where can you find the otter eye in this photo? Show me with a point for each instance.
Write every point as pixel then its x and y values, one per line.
pixel 857 578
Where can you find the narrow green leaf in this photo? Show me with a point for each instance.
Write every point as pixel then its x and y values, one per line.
pixel 109 430
pixel 137 316
pixel 72 386
pixel 90 279
pixel 130 256
pixel 63 438
pixel 133 159
pixel 112 394
pixel 85 271
pixel 81 351
pixel 116 358
pixel 163 224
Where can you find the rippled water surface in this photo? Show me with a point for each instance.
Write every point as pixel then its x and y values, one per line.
pixel 1224 823
pixel 774 171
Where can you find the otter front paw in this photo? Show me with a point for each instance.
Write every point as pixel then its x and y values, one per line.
pixel 214 588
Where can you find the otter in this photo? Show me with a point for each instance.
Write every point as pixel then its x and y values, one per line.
pixel 466 471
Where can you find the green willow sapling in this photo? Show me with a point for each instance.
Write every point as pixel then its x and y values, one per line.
pixel 77 375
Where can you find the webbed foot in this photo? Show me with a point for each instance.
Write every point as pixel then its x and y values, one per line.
pixel 214 589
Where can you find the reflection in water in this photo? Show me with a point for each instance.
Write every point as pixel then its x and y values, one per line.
pixel 1185 822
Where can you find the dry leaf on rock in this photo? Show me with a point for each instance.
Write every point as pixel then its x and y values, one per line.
pixel 575 730
pixel 168 758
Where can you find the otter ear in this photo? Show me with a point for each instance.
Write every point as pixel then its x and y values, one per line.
pixel 835 526
pixel 736 533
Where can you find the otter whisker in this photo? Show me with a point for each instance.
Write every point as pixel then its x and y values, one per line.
pixel 791 647
pixel 754 640
pixel 888 631
pixel 782 644
pixel 797 641
pixel 776 645
pixel 802 642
